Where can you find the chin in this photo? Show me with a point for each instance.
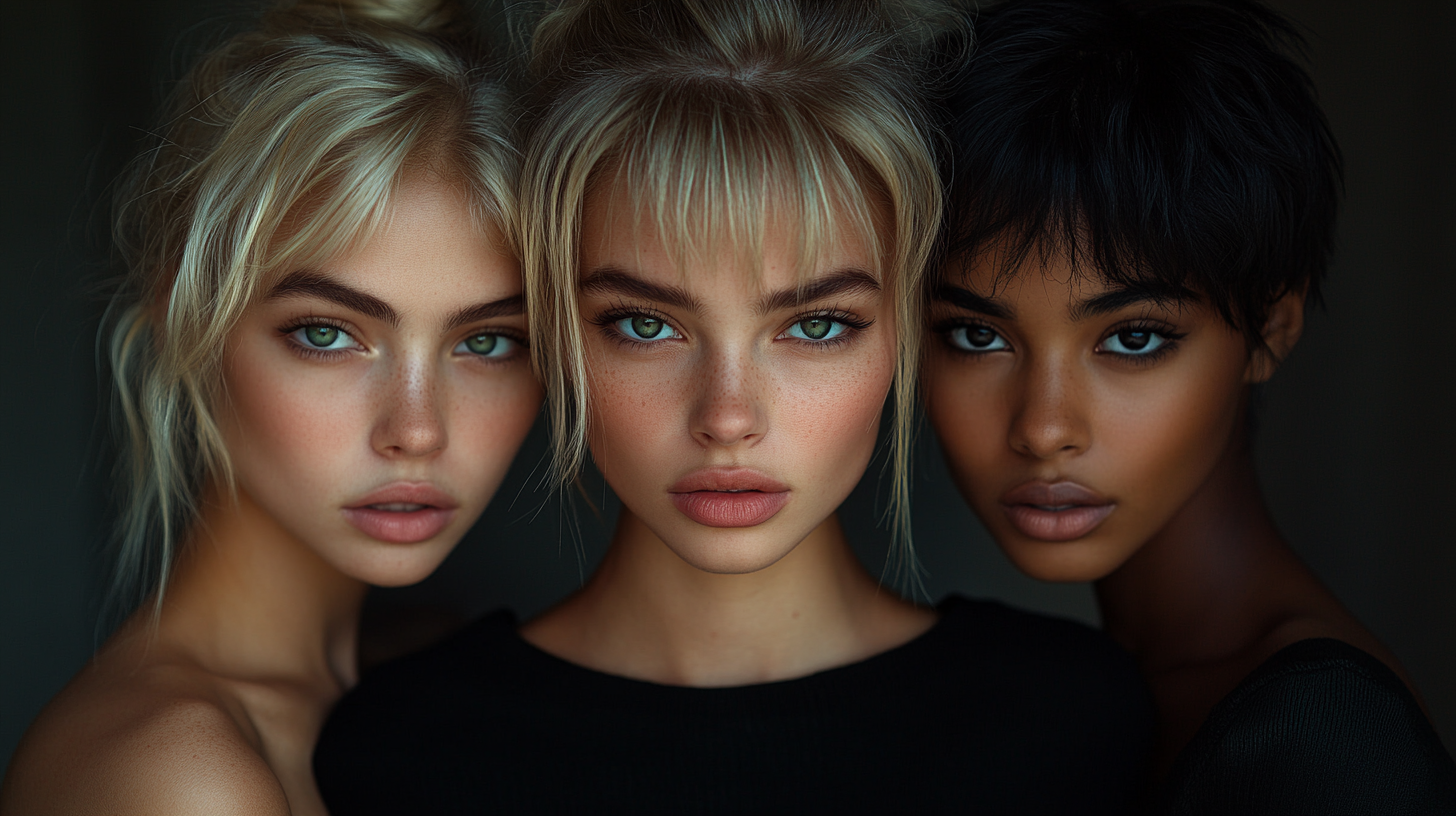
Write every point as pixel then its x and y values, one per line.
pixel 729 557
pixel 1063 561
pixel 396 565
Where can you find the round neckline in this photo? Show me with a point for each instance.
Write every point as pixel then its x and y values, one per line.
pixel 874 662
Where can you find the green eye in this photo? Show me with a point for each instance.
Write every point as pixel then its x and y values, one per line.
pixel 495 346
pixel 482 343
pixel 816 328
pixel 321 336
pixel 646 327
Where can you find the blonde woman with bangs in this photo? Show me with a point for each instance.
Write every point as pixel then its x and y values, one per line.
pixel 320 356
pixel 727 210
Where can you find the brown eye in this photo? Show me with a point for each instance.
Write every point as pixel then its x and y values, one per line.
pixel 977 338
pixel 1133 342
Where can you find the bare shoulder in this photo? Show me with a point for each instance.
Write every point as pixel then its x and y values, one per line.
pixel 154 739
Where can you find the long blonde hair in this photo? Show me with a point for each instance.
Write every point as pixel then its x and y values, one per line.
pixel 709 112
pixel 280 148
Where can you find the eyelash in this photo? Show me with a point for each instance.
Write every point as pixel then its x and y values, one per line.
pixel 1170 341
pixel 606 320
pixel 1170 338
pixel 855 323
pixel 945 327
pixel 325 354
pixel 314 353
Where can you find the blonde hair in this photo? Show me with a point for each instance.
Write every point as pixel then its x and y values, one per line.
pixel 708 113
pixel 281 148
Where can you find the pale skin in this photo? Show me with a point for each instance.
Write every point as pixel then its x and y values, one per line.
pixel 729 378
pixel 399 367
pixel 1141 397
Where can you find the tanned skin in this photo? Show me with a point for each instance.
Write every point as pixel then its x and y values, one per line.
pixel 377 391
pixel 731 391
pixel 1139 400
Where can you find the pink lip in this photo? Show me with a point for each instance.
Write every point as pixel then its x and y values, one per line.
pixel 1060 511
pixel 409 525
pixel 729 497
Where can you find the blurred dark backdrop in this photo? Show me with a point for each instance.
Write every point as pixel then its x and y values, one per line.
pixel 1356 446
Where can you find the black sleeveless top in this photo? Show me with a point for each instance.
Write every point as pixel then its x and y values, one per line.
pixel 992 710
pixel 1319 727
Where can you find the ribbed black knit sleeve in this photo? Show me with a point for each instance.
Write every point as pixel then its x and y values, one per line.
pixel 1320 727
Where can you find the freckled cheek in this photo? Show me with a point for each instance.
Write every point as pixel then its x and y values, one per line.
pixel 638 424
pixel 827 412
pixel 487 419
pixel 293 424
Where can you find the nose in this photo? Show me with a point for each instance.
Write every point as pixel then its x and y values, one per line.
pixel 411 424
pixel 729 408
pixel 1049 419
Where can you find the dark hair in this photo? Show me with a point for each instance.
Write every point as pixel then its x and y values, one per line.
pixel 1175 145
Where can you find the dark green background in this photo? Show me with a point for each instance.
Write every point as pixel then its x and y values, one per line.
pixel 1356 445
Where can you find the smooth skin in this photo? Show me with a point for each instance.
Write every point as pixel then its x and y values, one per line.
pixel 1054 377
pixel 732 378
pixel 402 364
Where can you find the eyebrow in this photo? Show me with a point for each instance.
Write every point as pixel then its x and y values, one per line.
pixel 504 307
pixel 609 281
pixel 971 302
pixel 308 283
pixel 613 281
pixel 1118 299
pixel 1105 303
pixel 842 282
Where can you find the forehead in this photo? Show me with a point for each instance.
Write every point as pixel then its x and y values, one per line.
pixel 766 246
pixel 427 245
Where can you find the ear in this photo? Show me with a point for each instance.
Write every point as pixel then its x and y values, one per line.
pixel 1282 329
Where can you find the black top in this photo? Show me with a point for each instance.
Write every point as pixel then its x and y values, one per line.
pixel 1320 727
pixel 992 710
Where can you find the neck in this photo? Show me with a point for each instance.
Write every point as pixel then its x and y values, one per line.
pixel 1214 581
pixel 249 601
pixel 648 614
pixel 1214 594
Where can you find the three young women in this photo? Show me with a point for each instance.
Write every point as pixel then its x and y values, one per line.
pixel 728 208
pixel 321 362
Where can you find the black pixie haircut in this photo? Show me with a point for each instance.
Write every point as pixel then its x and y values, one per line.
pixel 1174 146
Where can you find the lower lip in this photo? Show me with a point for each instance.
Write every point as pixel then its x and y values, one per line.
pixel 713 508
pixel 1056 525
pixel 399 528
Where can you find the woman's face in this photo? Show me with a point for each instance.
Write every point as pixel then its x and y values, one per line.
pixel 731 412
pixel 372 405
pixel 1078 417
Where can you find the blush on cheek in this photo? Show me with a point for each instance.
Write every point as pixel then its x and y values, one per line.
pixel 294 432
pixel 832 413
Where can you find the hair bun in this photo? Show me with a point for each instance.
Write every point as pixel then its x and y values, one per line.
pixel 425 16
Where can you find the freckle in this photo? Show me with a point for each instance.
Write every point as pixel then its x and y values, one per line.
pixel 796 615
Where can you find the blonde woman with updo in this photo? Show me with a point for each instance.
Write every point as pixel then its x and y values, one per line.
pixel 321 362
pixel 727 210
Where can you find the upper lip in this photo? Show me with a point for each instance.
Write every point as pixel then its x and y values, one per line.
pixel 727 479
pixel 408 493
pixel 1053 494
